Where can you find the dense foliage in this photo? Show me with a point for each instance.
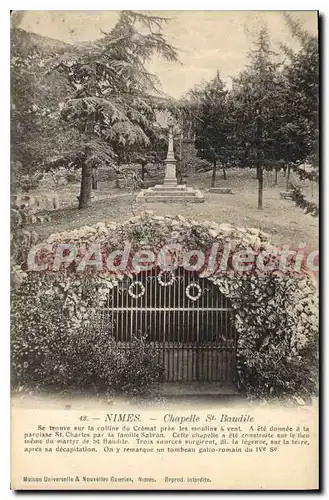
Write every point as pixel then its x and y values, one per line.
pixel 269 118
pixel 212 124
pixel 301 74
pixel 91 104
pixel 110 103
pixel 59 341
pixel 35 114
pixel 300 200
pixel 277 324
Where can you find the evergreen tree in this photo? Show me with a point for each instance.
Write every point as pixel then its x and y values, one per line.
pixel 257 96
pixel 111 102
pixel 211 127
pixel 35 114
pixel 302 97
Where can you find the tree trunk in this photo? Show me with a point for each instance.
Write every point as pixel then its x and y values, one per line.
pixel 260 187
pixel 276 176
pixel 87 167
pixel 213 177
pixel 143 171
pixel 85 189
pixel 288 177
pixel 224 173
pixel 179 173
pixel 94 179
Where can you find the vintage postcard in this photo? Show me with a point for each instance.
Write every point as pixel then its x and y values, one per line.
pixel 164 250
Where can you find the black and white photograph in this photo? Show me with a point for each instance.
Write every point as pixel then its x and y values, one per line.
pixel 164 247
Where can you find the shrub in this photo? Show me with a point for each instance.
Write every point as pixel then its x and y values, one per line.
pixel 72 176
pixel 278 373
pixel 50 352
pixel 277 347
pixel 21 242
pixel 26 183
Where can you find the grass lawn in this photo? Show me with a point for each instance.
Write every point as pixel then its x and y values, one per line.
pixel 287 224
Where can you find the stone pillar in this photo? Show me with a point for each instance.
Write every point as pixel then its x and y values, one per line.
pixel 170 162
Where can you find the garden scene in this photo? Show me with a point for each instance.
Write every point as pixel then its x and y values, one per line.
pixel 101 155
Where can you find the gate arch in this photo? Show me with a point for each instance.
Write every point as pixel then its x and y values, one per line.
pixel 185 316
pixel 260 320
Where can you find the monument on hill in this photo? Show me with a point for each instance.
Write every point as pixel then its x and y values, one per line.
pixel 170 191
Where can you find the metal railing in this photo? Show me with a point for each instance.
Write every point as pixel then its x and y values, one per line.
pixel 194 336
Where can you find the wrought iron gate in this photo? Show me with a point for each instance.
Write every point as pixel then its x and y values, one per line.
pixel 187 318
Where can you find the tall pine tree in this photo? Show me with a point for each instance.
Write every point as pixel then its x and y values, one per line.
pixel 257 96
pixel 211 124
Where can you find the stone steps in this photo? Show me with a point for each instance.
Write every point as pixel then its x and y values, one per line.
pixel 183 194
pixel 170 194
pixel 169 182
pixel 194 197
pixel 196 389
pixel 169 189
pixel 173 199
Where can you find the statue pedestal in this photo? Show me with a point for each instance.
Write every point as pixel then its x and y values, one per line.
pixel 170 194
pixel 170 177
pixel 170 191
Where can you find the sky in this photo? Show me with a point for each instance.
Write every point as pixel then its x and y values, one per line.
pixel 207 41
